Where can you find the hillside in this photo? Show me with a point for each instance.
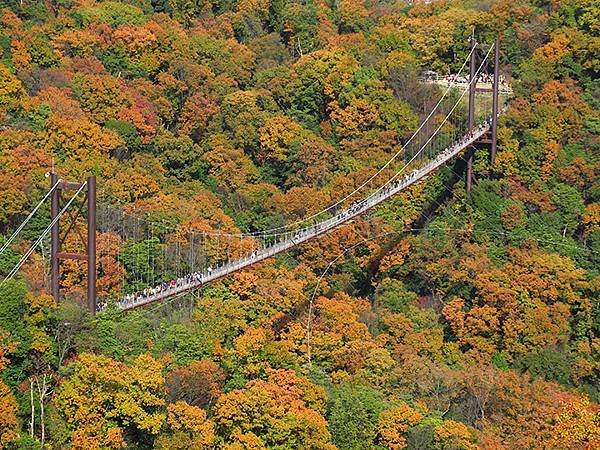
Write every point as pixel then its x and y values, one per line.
pixel 443 319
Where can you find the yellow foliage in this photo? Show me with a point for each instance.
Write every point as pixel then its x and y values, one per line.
pixel 577 426
pixel 101 392
pixel 189 428
pixel 457 435
pixel 394 423
pixel 278 412
pixel 591 218
pixel 11 91
pixel 276 136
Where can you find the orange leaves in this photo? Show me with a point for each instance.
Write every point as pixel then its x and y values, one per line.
pixel 110 270
pixel 229 165
pixel 20 58
pixel 136 39
pixel 249 343
pixel 337 335
pixel 256 351
pixel 9 426
pixel 275 412
pixel 299 202
pixel 6 347
pixel 577 425
pixel 61 102
pixel 76 42
pixel 555 49
pixel 451 434
pixel 352 14
pixel 188 428
pixel 258 8
pixel 518 307
pixel 478 328
pixel 244 284
pixel 534 194
pixel 561 97
pixel 580 173
pixel 549 277
pixel 395 256
pixel 142 115
pixel 520 410
pixel 591 218
pixel 552 150
pixel 101 96
pixel 196 113
pixel 136 182
pixel 313 162
pixel 12 201
pixel 79 140
pixel 283 289
pixel 513 216
pixel 394 423
pixel 354 119
pixel 182 416
pixel 396 60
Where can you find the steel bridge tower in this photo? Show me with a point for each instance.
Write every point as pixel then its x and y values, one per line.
pixel 489 140
pixel 57 238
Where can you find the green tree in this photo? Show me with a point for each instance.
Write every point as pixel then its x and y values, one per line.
pixel 352 414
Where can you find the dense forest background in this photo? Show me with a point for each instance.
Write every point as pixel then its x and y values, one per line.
pixel 478 331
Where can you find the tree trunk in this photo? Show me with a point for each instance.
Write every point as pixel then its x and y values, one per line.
pixel 32 423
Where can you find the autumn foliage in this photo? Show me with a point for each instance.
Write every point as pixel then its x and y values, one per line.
pixel 442 319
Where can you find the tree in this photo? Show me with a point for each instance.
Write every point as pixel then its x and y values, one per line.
pixel 352 15
pixel 393 425
pixel 283 410
pixel 454 435
pixel 352 413
pixel 11 91
pixel 101 97
pixel 188 428
pixel 186 11
pixel 577 425
pixel 80 141
pixel 232 169
pixel 196 114
pixel 393 295
pixel 198 384
pixel 123 396
pixel 181 157
pixel 276 136
pixel 299 27
pixel 9 427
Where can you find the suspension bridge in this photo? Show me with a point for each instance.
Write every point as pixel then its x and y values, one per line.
pixel 463 119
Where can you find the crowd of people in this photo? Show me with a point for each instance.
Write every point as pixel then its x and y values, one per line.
pixel 148 293
pixel 198 278
pixel 481 78
pixel 488 78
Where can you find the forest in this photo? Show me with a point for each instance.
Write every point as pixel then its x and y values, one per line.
pixel 443 319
